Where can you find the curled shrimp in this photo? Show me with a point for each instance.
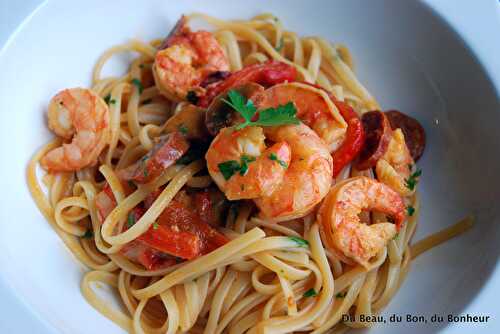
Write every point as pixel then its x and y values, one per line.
pixel 186 60
pixel 342 230
pixel 314 108
pixel 395 166
pixel 81 115
pixel 246 147
pixel 294 174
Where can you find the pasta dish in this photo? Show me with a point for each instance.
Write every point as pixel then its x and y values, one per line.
pixel 237 180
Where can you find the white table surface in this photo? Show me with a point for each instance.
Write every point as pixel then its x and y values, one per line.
pixel 478 23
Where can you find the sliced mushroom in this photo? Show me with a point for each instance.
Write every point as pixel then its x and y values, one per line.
pixel 189 120
pixel 221 115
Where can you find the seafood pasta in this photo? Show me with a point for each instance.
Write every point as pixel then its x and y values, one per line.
pixel 240 180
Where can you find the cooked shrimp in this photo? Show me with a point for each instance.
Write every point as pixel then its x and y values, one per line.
pixel 187 59
pixel 240 163
pixel 81 115
pixel 285 185
pixel 394 168
pixel 307 179
pixel 343 233
pixel 314 108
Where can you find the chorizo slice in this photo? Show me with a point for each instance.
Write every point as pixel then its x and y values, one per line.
pixel 377 136
pixel 412 129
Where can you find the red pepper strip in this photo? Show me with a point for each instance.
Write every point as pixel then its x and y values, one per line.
pixel 178 217
pixel 182 244
pixel 267 74
pixel 182 232
pixel 354 139
pixel 142 253
pixel 204 206
pixel 153 259
pixel 355 134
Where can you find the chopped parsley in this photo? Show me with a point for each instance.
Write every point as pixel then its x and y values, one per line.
pixel 245 160
pixel 281 115
pixel 341 294
pixel 137 83
pixel 146 173
pixel 410 210
pixel 107 98
pixel 301 242
pixel 281 44
pixel 130 220
pixel 274 157
pixel 192 97
pixel 88 234
pixel 231 167
pixel 183 129
pixel 412 181
pixel 112 101
pixel 396 236
pixel 155 226
pixel 310 293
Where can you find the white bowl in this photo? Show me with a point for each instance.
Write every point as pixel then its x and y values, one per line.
pixel 405 54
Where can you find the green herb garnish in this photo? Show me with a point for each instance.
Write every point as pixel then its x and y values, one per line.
pixel 155 226
pixel 281 115
pixel 112 101
pixel 192 97
pixel 341 294
pixel 310 293
pixel 146 173
pixel 88 234
pixel 107 98
pixel 183 129
pixel 281 44
pixel 130 220
pixel 274 157
pixel 245 160
pixel 301 242
pixel 412 181
pixel 396 236
pixel 137 83
pixel 410 210
pixel 231 167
